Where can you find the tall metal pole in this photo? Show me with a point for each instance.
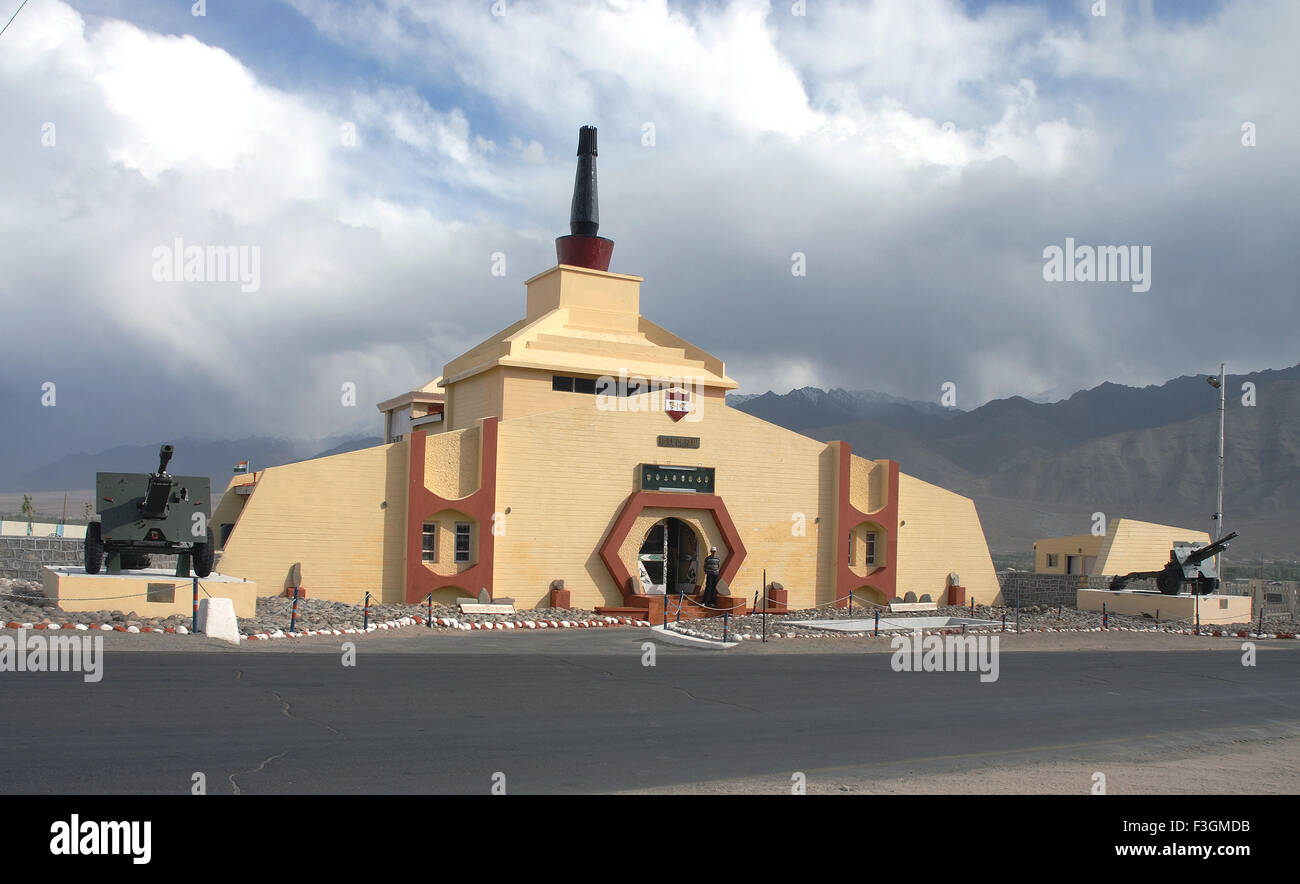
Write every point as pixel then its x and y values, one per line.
pixel 1218 511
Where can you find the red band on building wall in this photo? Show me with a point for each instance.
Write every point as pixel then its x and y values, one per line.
pixel 885 577
pixel 479 506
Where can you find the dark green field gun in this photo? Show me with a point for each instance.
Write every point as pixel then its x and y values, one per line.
pixel 144 514
pixel 1189 569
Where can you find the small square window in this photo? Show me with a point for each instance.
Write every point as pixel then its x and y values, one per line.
pixel 1053 560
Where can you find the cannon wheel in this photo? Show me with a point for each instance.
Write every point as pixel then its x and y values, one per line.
pixel 201 556
pixel 94 549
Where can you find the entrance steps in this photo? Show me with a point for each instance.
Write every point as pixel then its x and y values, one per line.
pixel 692 608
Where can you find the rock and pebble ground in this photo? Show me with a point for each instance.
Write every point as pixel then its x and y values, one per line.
pixel 23 602
pixel 1032 617
pixel 318 614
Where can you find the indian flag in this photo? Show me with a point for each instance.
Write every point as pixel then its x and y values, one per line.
pixel 241 467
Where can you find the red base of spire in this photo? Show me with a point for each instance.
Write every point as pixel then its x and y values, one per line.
pixel 592 252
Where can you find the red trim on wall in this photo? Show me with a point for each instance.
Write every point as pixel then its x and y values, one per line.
pixel 885 577
pixel 641 500
pixel 421 503
pixel 593 252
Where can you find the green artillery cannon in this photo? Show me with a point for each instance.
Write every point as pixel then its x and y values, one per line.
pixel 144 514
pixel 1190 569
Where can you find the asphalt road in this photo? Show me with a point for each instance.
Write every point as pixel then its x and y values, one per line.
pixel 576 711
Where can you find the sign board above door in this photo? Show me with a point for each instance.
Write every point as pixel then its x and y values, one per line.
pixel 693 480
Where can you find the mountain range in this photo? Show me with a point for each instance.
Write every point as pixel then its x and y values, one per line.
pixel 1043 469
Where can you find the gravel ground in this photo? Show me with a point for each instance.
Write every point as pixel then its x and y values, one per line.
pixel 1032 617
pixel 23 602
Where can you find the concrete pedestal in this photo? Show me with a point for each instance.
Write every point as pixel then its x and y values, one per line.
pixel 1214 609
pixel 153 592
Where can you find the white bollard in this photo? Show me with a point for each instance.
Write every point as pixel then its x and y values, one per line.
pixel 217 619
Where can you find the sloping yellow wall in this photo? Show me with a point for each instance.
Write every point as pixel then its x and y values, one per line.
pixel 940 532
pixel 327 514
pixel 1131 545
pixel 473 399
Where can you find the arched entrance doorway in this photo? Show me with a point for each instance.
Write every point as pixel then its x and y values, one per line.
pixel 670 559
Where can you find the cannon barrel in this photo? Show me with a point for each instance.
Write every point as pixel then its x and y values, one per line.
pixel 1209 552
pixel 164 457
pixel 584 214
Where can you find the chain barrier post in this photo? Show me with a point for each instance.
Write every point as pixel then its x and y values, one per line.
pixel 365 613
pixel 293 616
pixel 194 624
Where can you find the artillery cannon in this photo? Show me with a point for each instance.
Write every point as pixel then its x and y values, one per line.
pixel 1189 569
pixel 144 514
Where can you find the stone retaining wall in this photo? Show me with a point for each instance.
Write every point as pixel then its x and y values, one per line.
pixel 1053 589
pixel 21 558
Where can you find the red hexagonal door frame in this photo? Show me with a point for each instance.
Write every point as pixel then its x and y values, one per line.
pixel 643 500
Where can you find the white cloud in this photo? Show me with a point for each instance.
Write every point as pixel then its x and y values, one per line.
pixel 921 156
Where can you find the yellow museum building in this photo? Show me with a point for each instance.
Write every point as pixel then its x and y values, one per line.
pixel 586 457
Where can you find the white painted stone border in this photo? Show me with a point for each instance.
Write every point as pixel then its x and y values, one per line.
pixel 677 637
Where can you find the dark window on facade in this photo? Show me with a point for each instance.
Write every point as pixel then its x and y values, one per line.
pixel 462 542
pixel 429 553
pixel 871 548
pixel 563 384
